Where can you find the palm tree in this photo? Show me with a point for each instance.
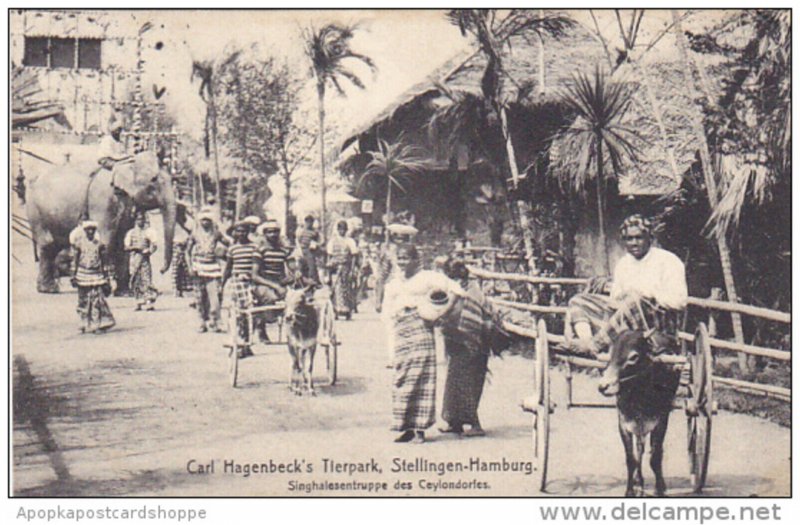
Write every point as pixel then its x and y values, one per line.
pixel 596 138
pixel 492 34
pixel 393 162
pixel 204 70
pixel 328 49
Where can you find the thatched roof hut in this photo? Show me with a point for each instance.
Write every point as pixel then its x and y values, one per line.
pixel 538 72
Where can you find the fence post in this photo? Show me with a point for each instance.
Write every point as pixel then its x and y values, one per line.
pixel 716 295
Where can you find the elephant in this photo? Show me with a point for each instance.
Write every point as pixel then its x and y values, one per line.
pixel 59 198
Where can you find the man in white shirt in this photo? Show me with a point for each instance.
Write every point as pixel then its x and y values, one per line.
pixel 111 149
pixel 648 291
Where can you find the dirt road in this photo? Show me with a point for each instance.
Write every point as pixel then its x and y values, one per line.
pixel 140 410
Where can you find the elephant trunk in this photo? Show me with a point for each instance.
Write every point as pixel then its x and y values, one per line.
pixel 168 214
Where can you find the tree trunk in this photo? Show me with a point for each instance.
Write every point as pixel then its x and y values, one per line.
pixel 522 206
pixel 601 223
pixel 321 95
pixel 389 201
pixel 287 200
pixel 217 180
pixel 710 178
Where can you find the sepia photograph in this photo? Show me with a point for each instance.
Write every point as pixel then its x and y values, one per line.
pixel 434 253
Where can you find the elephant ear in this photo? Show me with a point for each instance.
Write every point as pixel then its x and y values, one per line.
pixel 124 177
pixel 132 176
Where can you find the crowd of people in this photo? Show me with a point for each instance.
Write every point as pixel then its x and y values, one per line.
pixel 255 264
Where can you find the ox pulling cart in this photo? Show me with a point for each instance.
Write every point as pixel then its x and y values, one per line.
pixel 695 361
pixel 326 337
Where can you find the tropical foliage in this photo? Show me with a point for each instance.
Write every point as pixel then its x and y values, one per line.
pixel 598 139
pixel 751 121
pixel 329 54
pixel 493 33
pixel 393 163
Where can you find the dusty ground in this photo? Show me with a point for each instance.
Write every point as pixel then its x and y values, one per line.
pixel 124 414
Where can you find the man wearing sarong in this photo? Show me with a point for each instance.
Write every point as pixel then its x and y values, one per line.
pixel 204 249
pixel 468 329
pixel 308 243
pixel 240 266
pixel 270 276
pixel 90 277
pixel 181 271
pixel 342 252
pixel 648 292
pixel 140 243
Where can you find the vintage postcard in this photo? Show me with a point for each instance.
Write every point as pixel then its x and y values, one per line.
pixel 383 253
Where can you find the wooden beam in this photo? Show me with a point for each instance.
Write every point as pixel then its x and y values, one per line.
pixel 759 388
pixel 781 355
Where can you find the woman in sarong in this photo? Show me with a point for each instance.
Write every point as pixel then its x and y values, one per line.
pixel 90 277
pixel 468 329
pixel 140 243
pixel 413 355
pixel 342 251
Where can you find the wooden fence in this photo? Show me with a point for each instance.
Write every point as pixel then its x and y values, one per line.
pixel 776 392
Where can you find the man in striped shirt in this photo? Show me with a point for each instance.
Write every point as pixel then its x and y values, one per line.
pixel 204 248
pixel 270 273
pixel 241 264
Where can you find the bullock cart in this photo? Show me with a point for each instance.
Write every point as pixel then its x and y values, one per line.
pixel 326 336
pixel 695 362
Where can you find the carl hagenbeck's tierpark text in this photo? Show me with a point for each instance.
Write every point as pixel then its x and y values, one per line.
pixel 370 466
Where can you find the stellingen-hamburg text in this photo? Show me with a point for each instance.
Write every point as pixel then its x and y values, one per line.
pixel 473 464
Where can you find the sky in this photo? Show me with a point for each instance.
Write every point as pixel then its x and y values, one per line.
pixel 405 46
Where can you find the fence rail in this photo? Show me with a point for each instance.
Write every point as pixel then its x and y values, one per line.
pixel 776 392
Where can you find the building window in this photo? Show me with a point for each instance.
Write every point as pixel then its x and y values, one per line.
pixel 35 51
pixel 89 53
pixel 62 52
pixel 70 53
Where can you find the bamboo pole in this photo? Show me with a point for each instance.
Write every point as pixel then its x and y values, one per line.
pixel 710 178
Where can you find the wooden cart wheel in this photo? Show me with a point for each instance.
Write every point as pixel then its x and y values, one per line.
pixel 233 350
pixel 541 423
pixel 331 359
pixel 700 407
pixel 328 325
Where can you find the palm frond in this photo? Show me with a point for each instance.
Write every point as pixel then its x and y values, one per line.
pixel 600 106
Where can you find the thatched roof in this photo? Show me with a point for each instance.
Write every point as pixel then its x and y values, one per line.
pixel 579 51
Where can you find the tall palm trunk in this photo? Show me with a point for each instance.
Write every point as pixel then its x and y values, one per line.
pixel 212 107
pixel 287 199
pixel 601 223
pixel 389 199
pixel 522 207
pixel 321 95
pixel 709 176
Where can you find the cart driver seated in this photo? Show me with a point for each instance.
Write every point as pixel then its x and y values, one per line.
pixel 648 292
pixel 270 275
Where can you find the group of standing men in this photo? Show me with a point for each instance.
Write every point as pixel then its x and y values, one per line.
pixel 91 269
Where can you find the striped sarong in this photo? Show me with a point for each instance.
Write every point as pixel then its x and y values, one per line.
pixel 141 281
pixel 241 296
pixel 609 318
pixel 343 291
pixel 414 386
pixel 467 362
pixel 93 308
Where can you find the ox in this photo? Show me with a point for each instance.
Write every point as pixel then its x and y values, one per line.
pixel 645 391
pixel 302 323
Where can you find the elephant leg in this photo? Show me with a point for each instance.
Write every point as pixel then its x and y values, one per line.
pixel 47 281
